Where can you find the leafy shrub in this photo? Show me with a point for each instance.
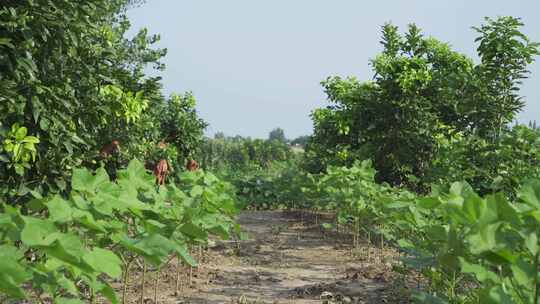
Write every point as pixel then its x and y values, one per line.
pixel 471 249
pixel 71 79
pixel 422 91
pixel 68 248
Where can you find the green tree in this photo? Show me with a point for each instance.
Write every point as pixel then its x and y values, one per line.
pixel 505 53
pixel 421 91
pixel 277 134
pixel 72 80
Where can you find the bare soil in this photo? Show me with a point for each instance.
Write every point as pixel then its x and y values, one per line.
pixel 287 258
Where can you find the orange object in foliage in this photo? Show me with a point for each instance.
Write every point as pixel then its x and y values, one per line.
pixel 160 171
pixel 192 165
pixel 109 149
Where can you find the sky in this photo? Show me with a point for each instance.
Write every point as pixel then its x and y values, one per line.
pixel 255 65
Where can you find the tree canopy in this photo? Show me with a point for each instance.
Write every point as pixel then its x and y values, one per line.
pixel 422 92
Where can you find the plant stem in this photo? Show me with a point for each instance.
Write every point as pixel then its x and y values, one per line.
pixel 190 275
pixel 143 282
pixel 156 284
pixel 357 232
pixel 369 244
pixel 537 281
pixel 126 277
pixel 382 238
pixel 200 259
pixel 178 265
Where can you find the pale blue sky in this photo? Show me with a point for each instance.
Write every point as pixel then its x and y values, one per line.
pixel 255 65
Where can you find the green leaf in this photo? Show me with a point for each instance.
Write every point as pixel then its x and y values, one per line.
pixel 59 210
pixel 155 248
pixel 87 220
pixel 31 140
pixel 481 273
pixel 81 180
pixel 530 193
pixel 80 202
pixel 524 273
pixel 135 176
pixel 405 244
pixel 495 295
pixel 68 285
pixel 105 261
pixel 183 253
pixel 531 241
pixel 37 232
pixel 21 133
pixel 19 169
pixel 69 249
pixel 428 202
pixel 474 207
pixel 196 191
pixel 505 211
pixel 6 42
pixel 103 205
pixel 485 239
pixel 108 292
pixel 84 180
pixel 193 231
pixel 12 274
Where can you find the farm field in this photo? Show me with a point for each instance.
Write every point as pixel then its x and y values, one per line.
pixel 418 182
pixel 285 260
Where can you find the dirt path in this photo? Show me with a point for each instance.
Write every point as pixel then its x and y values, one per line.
pixel 285 260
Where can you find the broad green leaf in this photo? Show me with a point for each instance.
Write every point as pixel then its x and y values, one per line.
pixel 393 205
pixel 81 180
pixel 105 261
pixel 193 231
pixel 84 180
pixel 524 273
pixel 6 42
pixel 59 209
pixel 188 177
pixel 474 207
pixel 68 285
pixel 37 232
pixel 12 274
pixel 183 252
pixel 196 191
pixel 155 248
pixel 135 176
pixel 80 202
pixel 506 211
pixel 428 202
pixel 531 241
pixel 530 193
pixel 69 249
pixel 87 220
pixel 102 205
pixel 481 273
pixel 20 134
pixel 484 239
pixel 53 264
pixel 495 295
pixel 405 244
pixel 108 292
